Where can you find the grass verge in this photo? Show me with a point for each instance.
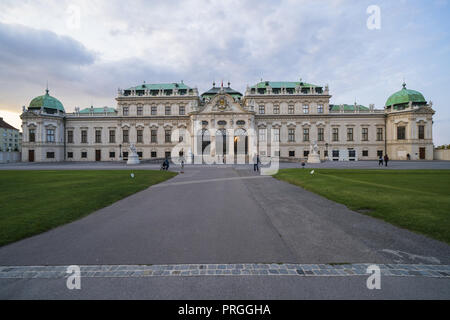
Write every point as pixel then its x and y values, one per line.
pixel 418 200
pixel 32 202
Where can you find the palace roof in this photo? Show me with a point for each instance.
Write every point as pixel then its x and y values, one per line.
pixel 405 96
pixel 46 101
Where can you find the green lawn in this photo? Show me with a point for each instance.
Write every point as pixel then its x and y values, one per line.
pixel 418 200
pixel 32 202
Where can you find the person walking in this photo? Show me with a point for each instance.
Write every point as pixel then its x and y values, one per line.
pixel 380 161
pixel 386 159
pixel 256 163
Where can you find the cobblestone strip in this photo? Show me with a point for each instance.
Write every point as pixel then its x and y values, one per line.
pixel 189 270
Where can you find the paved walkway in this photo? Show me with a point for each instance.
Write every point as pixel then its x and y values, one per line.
pixel 227 216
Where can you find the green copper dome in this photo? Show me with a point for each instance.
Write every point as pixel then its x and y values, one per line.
pixel 47 102
pixel 405 96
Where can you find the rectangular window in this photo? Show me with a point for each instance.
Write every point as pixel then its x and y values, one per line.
pixel 305 134
pixel 50 155
pixel 305 109
pixel 182 110
pixel 421 132
pixel 112 154
pixel 84 154
pixel 305 153
pixel 401 133
pixel 140 136
pixel 154 135
pixel 70 136
pixel 83 136
pixel 112 136
pixel 262 134
pixel 379 153
pixel 320 108
pixel 335 134
pixel 365 153
pixel 126 137
pixel 379 134
pixel 98 136
pixel 349 134
pixel 168 136
pixel 32 135
pixel 276 135
pixel 167 154
pixel 262 109
pixel 50 135
pixel 154 110
pixel 291 109
pixel 291 153
pixel 351 153
pixel 276 109
pixel 168 110
pixel 125 155
pixel 291 135
pixel 154 154
pixel 69 155
pixel 140 154
pixel 365 134
pixel 320 134
pixel 335 153
pixel 140 110
pixel 125 111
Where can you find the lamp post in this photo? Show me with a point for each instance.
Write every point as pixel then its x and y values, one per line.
pixel 120 152
pixel 326 146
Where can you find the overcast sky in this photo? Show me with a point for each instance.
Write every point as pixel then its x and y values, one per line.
pixel 122 43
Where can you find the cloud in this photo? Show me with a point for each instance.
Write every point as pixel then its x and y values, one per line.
pixel 198 41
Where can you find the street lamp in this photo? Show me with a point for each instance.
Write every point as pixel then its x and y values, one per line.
pixel 120 152
pixel 326 146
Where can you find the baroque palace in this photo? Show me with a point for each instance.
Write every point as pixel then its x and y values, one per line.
pixel 272 119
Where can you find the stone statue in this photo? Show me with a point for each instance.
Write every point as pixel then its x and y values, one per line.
pixel 314 148
pixel 313 156
pixel 133 158
pixel 133 149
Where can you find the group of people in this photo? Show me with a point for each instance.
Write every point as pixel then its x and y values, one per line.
pixel 383 160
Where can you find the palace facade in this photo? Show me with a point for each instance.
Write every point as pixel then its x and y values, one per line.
pixel 273 119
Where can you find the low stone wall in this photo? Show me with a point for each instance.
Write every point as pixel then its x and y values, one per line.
pixel 442 154
pixel 7 157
